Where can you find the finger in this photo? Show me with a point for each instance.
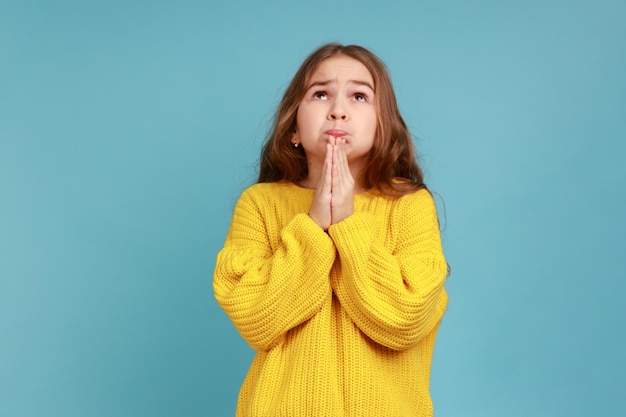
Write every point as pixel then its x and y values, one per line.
pixel 324 185
pixel 335 162
pixel 320 210
pixel 342 160
pixel 328 167
pixel 343 185
pixel 330 149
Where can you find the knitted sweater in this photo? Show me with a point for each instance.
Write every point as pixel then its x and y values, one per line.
pixel 343 321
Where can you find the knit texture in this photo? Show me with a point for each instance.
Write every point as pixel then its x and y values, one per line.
pixel 343 322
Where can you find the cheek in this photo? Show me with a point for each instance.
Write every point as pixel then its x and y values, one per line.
pixel 301 118
pixel 373 124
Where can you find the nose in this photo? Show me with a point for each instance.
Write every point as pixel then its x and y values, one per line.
pixel 337 112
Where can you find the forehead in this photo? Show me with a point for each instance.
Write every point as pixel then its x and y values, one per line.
pixel 341 68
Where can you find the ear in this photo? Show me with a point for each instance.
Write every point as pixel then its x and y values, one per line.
pixel 295 137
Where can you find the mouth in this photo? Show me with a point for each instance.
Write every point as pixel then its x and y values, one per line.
pixel 336 132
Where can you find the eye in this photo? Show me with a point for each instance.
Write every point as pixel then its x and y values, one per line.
pixel 360 97
pixel 320 95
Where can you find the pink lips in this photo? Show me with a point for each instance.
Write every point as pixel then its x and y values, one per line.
pixel 336 132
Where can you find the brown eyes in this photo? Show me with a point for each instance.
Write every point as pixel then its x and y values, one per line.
pixel 322 95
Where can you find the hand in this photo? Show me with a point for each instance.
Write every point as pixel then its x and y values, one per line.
pixel 320 207
pixel 334 196
pixel 342 192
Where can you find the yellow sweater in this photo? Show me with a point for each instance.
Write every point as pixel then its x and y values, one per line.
pixel 343 322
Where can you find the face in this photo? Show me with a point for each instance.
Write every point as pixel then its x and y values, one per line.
pixel 339 101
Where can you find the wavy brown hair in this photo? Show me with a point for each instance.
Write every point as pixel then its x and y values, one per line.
pixel 391 167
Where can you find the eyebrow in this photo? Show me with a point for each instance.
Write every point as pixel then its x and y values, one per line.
pixel 326 82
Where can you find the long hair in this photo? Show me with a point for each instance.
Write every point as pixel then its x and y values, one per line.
pixel 391 166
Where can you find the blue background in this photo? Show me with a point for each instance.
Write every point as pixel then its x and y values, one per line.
pixel 129 128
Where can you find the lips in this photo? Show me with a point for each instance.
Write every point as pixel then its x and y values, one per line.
pixel 336 132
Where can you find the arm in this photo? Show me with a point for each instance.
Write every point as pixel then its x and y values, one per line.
pixel 395 297
pixel 266 291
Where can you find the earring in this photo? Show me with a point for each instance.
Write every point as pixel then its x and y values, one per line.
pixel 295 144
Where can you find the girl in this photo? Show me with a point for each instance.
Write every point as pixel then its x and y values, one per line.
pixel 333 269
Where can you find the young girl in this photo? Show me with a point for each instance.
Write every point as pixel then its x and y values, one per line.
pixel 333 269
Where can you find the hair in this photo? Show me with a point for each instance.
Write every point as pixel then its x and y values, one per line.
pixel 391 166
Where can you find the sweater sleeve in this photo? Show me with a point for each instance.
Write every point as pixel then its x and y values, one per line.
pixel 267 291
pixel 396 297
